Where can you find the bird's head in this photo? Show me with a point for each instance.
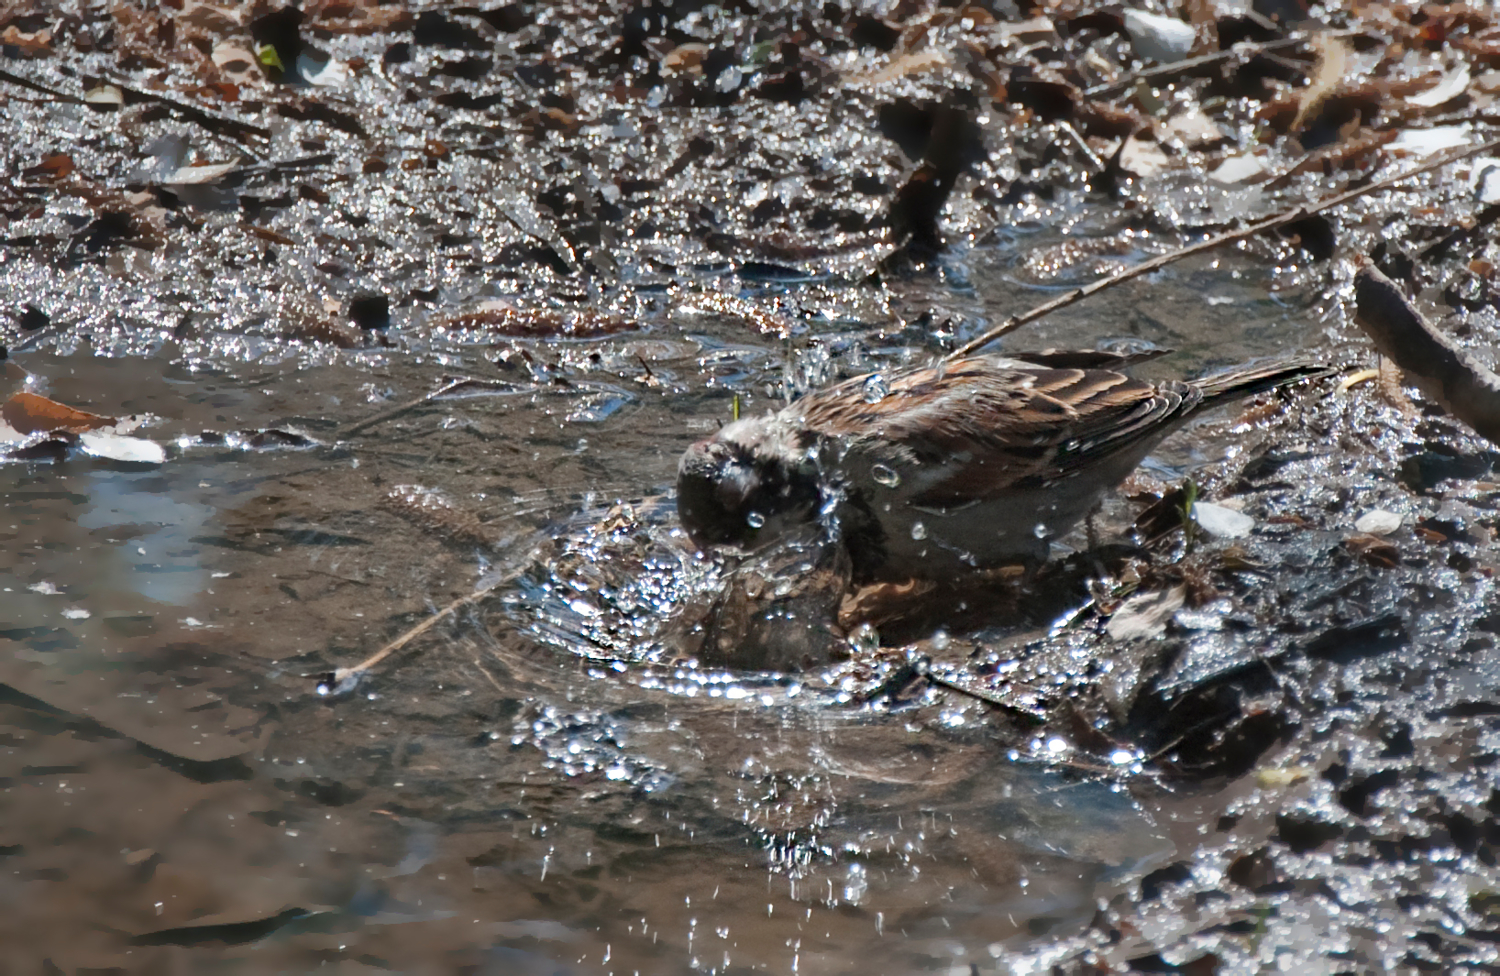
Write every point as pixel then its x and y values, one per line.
pixel 730 492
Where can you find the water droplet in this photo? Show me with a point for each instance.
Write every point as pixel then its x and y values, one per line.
pixel 918 531
pixel 755 520
pixel 1040 531
pixel 876 388
pixel 885 475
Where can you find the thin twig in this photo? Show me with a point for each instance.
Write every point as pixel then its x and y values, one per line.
pixel 191 112
pixel 1270 223
pixel 426 398
pixel 15 79
pixel 1243 50
pixel 342 680
pixel 983 696
pixel 1083 146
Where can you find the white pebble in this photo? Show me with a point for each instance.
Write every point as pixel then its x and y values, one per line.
pixel 1378 521
pixel 1223 522
pixel 1159 38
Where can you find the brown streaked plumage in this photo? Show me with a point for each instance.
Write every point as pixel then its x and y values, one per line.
pixel 931 471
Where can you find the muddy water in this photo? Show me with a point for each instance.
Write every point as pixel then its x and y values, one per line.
pixel 520 791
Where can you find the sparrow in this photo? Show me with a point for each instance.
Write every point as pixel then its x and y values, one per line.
pixel 936 471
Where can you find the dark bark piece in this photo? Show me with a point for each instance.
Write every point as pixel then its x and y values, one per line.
pixel 1438 366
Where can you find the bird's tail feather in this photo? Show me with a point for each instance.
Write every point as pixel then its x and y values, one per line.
pixel 1245 381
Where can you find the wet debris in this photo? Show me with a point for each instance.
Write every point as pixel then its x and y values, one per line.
pixel 435 512
pixel 33 428
pixel 912 129
pixel 526 320
pixel 1441 368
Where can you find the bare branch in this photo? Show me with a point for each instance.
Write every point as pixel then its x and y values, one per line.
pixel 1270 223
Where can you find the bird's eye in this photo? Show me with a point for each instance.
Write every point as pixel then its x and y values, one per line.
pixel 755 520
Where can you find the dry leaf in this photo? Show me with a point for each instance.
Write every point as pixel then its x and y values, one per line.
pixel 29 413
pixel 1333 57
pixel 1145 615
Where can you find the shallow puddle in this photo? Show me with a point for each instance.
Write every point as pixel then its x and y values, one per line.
pixel 514 794
pixel 548 781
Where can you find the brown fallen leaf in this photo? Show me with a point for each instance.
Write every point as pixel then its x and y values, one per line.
pixel 29 413
pixel 57 166
pixel 30 45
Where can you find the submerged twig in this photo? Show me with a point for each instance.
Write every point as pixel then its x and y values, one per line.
pixel 422 400
pixel 1008 707
pixel 192 113
pixel 1229 237
pixel 342 680
pixel 1437 365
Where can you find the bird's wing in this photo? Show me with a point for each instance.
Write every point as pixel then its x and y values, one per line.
pixel 979 426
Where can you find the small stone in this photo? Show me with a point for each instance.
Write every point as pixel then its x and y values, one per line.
pixel 1486 179
pixel 1158 38
pixel 1378 521
pixel 1225 523
pixel 1244 168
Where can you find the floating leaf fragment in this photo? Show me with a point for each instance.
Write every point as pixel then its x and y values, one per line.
pixel 266 55
pixel 1245 168
pixel 1157 38
pixel 1284 776
pixel 1374 550
pixel 104 97
pixel 1425 142
pixel 117 447
pixel 200 173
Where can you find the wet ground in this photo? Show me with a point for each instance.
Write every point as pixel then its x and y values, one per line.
pixel 448 326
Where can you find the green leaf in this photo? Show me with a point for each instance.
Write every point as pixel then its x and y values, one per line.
pixel 266 55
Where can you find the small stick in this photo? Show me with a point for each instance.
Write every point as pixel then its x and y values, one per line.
pixel 486 672
pixel 1437 365
pixel 1245 50
pixel 1270 223
pixel 343 680
pixel 1082 144
pixel 1357 378
pixel 983 696
pixel 383 416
